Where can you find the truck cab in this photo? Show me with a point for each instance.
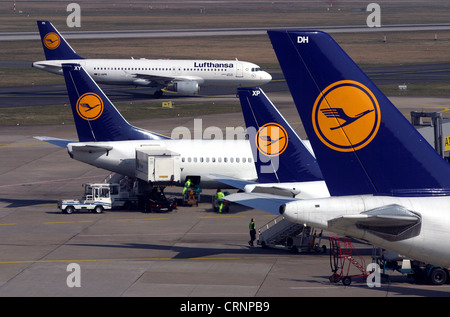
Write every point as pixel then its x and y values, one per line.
pixel 98 197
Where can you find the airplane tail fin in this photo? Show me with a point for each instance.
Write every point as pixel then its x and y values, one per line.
pixel 96 118
pixel 54 44
pixel 280 155
pixel 363 144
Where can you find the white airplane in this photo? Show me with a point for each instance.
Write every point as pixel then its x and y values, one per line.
pixel 108 141
pixel 388 186
pixel 181 76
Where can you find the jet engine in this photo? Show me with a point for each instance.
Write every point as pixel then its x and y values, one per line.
pixel 190 88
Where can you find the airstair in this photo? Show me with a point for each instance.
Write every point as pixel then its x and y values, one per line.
pixel 295 237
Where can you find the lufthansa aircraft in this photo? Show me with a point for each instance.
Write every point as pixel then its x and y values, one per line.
pixel 181 76
pixel 388 186
pixel 108 141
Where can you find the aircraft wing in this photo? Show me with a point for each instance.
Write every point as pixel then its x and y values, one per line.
pixel 264 202
pixel 273 188
pixel 164 79
pixel 155 78
pixel 55 141
pixel 231 181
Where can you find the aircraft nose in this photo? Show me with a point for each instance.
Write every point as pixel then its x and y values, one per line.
pixel 266 77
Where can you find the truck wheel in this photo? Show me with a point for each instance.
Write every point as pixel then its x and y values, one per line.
pixel 438 276
pixel 69 209
pixel 98 209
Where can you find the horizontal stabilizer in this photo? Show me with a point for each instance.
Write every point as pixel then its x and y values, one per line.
pixel 55 141
pixel 91 148
pixel 392 222
pixel 264 202
pixel 276 190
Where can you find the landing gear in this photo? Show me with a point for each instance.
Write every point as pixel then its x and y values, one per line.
pixel 158 94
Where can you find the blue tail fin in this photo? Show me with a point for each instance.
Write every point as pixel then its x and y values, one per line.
pixel 55 46
pixel 362 142
pixel 280 155
pixel 96 118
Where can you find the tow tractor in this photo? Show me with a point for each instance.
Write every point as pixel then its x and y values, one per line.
pixel 98 197
pixel 420 272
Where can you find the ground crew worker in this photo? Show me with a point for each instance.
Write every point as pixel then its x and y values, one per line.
pixel 219 197
pixel 251 227
pixel 186 185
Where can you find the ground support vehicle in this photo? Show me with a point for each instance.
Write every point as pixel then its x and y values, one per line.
pixel 420 272
pixel 294 237
pixel 158 202
pixel 192 196
pixel 98 197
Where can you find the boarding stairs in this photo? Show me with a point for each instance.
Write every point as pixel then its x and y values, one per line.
pixel 281 233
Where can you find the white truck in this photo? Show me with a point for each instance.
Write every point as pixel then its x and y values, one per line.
pixel 98 197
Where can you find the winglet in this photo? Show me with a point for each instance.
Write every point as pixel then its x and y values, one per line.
pixel 280 155
pixel 374 149
pixel 54 45
pixel 95 116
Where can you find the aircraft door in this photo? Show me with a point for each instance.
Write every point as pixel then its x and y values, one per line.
pixel 239 70
pixel 176 70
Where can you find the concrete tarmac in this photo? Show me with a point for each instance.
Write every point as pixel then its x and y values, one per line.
pixel 191 252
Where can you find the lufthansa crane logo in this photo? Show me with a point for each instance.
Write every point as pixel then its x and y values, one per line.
pixel 346 116
pixel 90 106
pixel 52 40
pixel 271 139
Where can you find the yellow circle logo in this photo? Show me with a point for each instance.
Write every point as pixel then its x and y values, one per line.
pixel 52 40
pixel 346 116
pixel 90 106
pixel 271 139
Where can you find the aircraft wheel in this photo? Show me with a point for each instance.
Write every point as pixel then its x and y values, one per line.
pixel 158 94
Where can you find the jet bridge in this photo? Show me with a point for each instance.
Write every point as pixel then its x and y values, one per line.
pixel 158 165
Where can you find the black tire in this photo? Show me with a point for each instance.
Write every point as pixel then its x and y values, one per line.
pixel 347 280
pixel 69 209
pixel 438 276
pixel 98 210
